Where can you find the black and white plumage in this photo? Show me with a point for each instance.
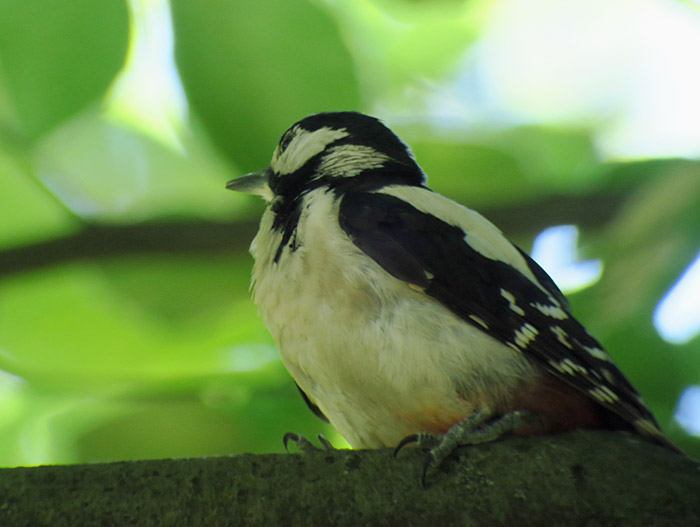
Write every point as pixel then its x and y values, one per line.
pixel 399 312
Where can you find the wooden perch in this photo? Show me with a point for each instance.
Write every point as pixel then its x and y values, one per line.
pixel 583 478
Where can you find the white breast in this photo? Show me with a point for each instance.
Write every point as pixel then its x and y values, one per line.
pixel 380 359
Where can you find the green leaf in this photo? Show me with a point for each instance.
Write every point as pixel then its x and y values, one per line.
pixel 251 69
pixel 56 57
pixel 28 212
pixel 85 327
pixel 644 250
pixel 107 172
pixel 472 174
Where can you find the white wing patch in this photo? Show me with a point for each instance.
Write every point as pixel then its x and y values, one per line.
pixel 511 302
pixel 526 334
pixel 568 366
pixel 562 336
pixel 480 234
pixel 597 353
pixel 553 311
pixel 303 146
pixel 604 394
pixel 479 321
pixel 608 376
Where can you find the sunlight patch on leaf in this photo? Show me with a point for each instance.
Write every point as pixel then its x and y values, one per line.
pixel 147 94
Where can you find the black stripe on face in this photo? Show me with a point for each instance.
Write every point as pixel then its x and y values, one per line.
pixel 291 189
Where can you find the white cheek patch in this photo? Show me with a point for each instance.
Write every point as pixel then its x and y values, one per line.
pixel 303 147
pixel 351 160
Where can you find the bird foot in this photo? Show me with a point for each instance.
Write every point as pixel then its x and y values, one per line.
pixel 472 431
pixel 305 445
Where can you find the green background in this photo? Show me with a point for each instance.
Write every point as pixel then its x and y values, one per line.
pixel 126 325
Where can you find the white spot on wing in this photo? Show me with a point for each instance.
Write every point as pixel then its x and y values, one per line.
pixel 604 394
pixel 645 425
pixel 511 302
pixel 562 336
pixel 479 321
pixel 553 311
pixel 609 393
pixel 568 366
pixel 608 375
pixel 526 334
pixel 597 353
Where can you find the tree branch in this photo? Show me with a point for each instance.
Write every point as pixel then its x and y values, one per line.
pixel 103 240
pixel 583 478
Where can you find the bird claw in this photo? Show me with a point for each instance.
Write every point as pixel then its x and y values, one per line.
pixel 422 440
pixel 305 445
pixel 471 431
pixel 408 440
pixel 426 441
pixel 427 464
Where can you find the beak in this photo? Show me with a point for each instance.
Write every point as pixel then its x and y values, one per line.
pixel 253 183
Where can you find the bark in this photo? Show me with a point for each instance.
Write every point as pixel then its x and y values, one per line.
pixel 591 479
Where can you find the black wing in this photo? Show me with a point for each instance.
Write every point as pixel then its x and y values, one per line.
pixel 315 409
pixel 493 296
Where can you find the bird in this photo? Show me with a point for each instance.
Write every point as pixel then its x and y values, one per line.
pixel 405 317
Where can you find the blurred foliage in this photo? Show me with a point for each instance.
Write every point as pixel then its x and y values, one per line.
pixel 55 59
pixel 124 346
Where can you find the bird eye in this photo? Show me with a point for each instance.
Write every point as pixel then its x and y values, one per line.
pixel 285 143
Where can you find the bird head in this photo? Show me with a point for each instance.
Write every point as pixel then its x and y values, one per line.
pixel 338 150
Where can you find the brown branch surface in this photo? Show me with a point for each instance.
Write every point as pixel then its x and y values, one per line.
pixel 591 479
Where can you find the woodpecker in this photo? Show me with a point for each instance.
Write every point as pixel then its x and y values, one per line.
pixel 406 317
